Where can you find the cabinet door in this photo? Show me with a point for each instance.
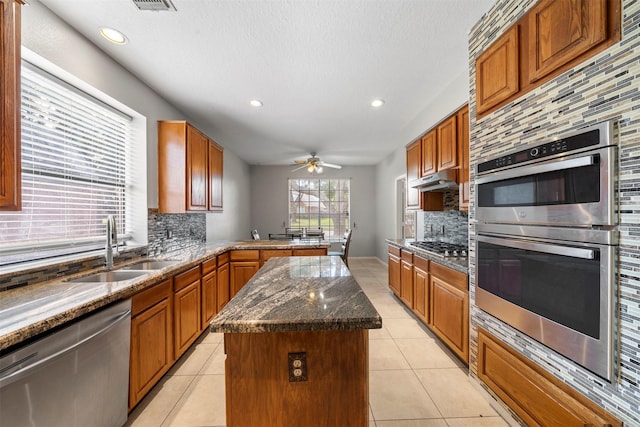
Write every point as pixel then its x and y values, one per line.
pixel 447 151
pixel 209 298
pixel 216 155
pixel 197 170
pixel 406 283
pixel 450 316
pixel 241 272
pixel 463 155
pixel 223 286
pixel 429 149
pixel 421 293
pixel 497 71
pixel 266 254
pixel 10 187
pixel 151 348
pixel 186 317
pixel 394 274
pixel 413 172
pixel 560 31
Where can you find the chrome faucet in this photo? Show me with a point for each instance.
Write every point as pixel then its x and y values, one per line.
pixel 112 237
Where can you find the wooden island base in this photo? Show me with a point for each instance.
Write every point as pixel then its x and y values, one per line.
pixel 336 392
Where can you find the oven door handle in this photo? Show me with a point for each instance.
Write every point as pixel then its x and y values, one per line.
pixel 540 247
pixel 537 169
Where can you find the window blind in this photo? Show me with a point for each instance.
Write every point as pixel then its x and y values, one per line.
pixel 74 160
pixel 320 203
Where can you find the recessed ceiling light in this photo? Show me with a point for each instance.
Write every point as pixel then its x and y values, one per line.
pixel 377 103
pixel 114 36
pixel 255 103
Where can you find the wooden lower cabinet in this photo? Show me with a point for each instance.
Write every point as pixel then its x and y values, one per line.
pixel 394 270
pixel 309 252
pixel 242 266
pixel 421 288
pixel 534 394
pixel 209 292
pixel 223 280
pixel 406 278
pixel 449 308
pixel 151 339
pixel 267 254
pixel 187 309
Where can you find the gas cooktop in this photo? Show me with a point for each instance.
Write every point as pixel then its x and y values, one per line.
pixel 443 249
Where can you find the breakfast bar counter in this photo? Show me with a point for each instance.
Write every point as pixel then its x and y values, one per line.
pixel 296 343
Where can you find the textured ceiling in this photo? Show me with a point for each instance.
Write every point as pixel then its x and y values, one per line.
pixel 316 65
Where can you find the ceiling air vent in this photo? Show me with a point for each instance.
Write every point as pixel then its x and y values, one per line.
pixel 155 5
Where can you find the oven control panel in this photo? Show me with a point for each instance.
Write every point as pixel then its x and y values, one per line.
pixel 571 143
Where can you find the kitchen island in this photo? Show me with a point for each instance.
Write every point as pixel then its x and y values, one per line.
pixel 296 343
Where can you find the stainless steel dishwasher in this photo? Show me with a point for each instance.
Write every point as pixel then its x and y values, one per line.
pixel 75 376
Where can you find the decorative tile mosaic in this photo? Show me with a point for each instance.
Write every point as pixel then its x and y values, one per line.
pixel 605 87
pixel 173 232
pixel 454 223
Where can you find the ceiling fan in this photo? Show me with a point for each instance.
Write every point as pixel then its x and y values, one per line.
pixel 313 164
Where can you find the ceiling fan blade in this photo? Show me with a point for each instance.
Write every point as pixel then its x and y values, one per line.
pixel 329 165
pixel 299 167
pixel 300 162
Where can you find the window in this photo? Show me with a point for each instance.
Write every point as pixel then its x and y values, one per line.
pixel 74 164
pixel 320 203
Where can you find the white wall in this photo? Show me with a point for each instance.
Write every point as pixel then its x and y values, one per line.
pixel 51 38
pixel 450 99
pixel 269 202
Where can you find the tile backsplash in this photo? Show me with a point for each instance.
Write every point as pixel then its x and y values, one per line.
pixel 171 232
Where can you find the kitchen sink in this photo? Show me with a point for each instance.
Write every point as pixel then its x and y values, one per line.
pixel 150 265
pixel 110 276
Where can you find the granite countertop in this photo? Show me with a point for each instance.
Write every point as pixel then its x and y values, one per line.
pixel 30 310
pixel 299 294
pixel 457 264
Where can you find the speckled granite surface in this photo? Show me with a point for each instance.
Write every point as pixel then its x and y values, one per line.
pixel 30 310
pixel 457 264
pixel 299 294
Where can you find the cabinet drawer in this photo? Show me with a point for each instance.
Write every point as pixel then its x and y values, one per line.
pixel 209 265
pixel 249 255
pixel 149 297
pixel 223 259
pixel 309 252
pixel 393 250
pixel 452 277
pixel 421 263
pixel 266 254
pixel 184 279
pixel 407 256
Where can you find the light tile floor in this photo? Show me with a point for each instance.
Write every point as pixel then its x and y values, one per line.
pixel 414 381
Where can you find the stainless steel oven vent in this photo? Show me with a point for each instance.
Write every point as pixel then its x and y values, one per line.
pixel 154 5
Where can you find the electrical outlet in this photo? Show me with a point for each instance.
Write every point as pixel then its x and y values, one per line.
pixel 297 367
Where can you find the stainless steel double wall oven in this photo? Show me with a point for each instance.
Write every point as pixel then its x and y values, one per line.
pixel 547 243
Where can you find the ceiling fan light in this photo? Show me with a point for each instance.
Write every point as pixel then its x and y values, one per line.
pixel 311 168
pixel 319 169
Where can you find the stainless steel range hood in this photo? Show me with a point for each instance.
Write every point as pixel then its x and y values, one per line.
pixel 439 181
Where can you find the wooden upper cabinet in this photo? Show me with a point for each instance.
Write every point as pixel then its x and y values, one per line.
pixel 197 170
pixel 560 31
pixel 497 71
pixel 216 155
pixel 463 156
pixel 10 167
pixel 189 169
pixel 429 150
pixel 447 151
pixel 413 172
